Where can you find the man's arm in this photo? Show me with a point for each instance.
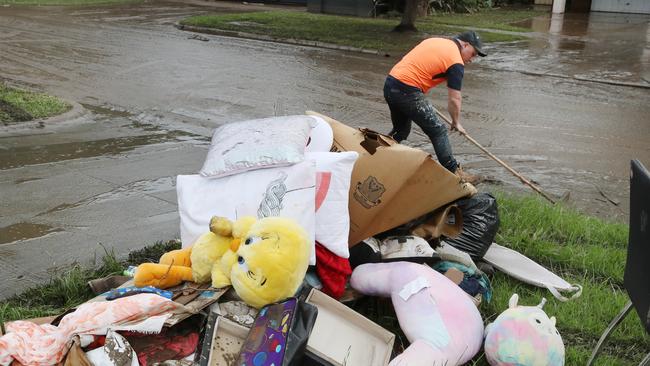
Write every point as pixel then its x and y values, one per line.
pixel 454 100
pixel 455 75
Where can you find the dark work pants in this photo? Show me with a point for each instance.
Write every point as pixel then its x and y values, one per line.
pixel 408 103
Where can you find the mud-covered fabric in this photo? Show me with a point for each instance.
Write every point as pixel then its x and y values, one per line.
pixel 172 343
pixel 408 104
pixel 116 351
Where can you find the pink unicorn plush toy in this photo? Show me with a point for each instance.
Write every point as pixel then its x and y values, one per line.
pixel 438 317
pixel 523 336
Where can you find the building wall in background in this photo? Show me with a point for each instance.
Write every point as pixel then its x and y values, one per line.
pixel 360 8
pixel 621 6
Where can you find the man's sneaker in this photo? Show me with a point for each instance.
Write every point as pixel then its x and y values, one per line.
pixel 466 177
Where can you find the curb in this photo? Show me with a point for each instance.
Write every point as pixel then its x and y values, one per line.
pixel 293 41
pixel 299 42
pixel 28 127
pixel 578 78
pixel 77 110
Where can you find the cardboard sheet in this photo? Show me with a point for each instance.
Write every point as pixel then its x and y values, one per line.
pixel 342 336
pixel 391 183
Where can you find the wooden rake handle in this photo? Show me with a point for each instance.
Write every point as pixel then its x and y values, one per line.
pixel 501 162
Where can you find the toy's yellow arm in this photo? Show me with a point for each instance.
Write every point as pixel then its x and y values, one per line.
pixel 161 275
pixel 179 257
pixel 221 270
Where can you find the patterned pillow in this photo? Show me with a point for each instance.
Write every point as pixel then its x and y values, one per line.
pixel 284 191
pixel 259 143
pixel 333 175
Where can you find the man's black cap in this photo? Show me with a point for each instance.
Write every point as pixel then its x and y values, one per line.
pixel 472 38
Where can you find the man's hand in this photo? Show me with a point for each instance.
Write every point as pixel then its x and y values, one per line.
pixel 458 127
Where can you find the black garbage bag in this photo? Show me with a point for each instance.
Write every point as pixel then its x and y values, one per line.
pixel 480 225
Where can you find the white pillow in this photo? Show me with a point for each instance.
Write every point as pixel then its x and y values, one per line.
pixel 321 137
pixel 259 143
pixel 285 191
pixel 333 175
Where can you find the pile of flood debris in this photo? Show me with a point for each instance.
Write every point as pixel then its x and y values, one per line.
pixel 290 219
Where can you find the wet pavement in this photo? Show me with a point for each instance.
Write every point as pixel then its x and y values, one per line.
pixel 150 95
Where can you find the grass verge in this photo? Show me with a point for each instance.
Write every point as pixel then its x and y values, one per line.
pixel 17 105
pixel 365 33
pixel 582 249
pixel 69 288
pixel 497 19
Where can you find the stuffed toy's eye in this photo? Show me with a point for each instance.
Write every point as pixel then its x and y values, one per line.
pixel 252 240
pixel 240 260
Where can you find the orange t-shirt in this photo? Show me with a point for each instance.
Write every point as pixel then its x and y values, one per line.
pixel 425 65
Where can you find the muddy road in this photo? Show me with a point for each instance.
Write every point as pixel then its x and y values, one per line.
pixel 147 97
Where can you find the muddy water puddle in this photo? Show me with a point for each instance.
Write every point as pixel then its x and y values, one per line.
pixel 24 231
pixel 81 142
pixel 30 155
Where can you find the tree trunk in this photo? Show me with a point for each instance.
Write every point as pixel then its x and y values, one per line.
pixel 412 10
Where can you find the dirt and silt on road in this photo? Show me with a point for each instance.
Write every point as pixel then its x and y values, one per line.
pixel 149 97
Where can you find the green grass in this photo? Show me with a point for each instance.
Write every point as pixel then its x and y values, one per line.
pixel 17 105
pixel 498 19
pixel 582 249
pixel 69 287
pixel 365 33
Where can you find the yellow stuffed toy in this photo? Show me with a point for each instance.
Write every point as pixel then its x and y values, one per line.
pixel 268 265
pixel 211 246
pixel 193 263
pixel 265 261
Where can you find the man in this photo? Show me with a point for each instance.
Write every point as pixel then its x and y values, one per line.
pixel 430 63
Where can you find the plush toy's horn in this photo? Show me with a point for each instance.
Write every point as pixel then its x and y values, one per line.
pixel 234 244
pixel 221 226
pixel 541 304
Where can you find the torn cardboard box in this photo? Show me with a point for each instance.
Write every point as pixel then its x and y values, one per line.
pixel 445 221
pixel 342 336
pixel 391 183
